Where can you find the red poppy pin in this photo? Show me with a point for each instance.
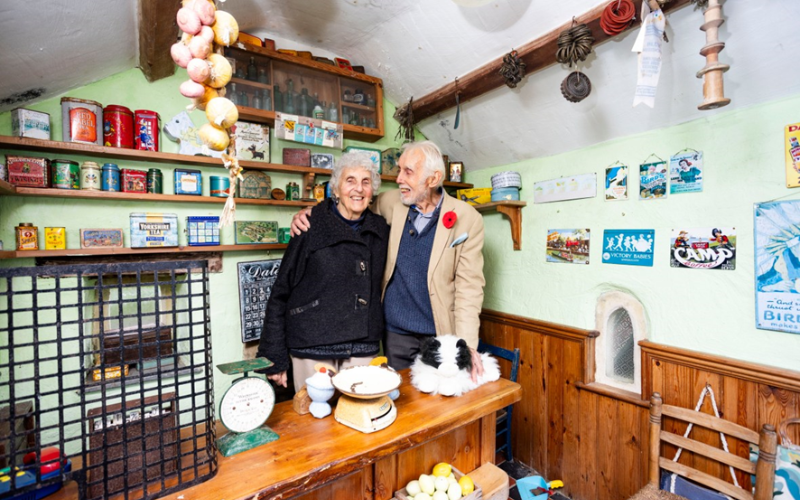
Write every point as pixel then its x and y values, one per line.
pixel 449 219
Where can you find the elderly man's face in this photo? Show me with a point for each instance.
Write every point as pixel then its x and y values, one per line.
pixel 414 185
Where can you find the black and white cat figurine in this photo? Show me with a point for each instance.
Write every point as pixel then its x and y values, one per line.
pixel 444 364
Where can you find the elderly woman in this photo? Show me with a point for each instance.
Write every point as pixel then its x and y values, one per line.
pixel 325 305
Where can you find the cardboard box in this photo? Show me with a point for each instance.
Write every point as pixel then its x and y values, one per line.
pixel 475 196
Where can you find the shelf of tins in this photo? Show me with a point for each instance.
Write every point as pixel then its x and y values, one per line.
pixel 82 252
pixel 266 81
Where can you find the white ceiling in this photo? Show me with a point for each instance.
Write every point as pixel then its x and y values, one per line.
pixel 418 45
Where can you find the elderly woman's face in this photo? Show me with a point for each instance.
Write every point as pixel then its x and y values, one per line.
pixel 354 192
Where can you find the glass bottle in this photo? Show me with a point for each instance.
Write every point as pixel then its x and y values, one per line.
pixel 262 76
pixel 232 93
pixel 243 99
pixel 278 98
pixel 289 102
pixel 318 112
pixel 354 118
pixel 252 70
pixel 256 100
pixel 316 101
pixel 305 110
pixel 347 97
pixel 333 113
pixel 358 96
pixel 370 101
pixel 345 115
pixel 266 101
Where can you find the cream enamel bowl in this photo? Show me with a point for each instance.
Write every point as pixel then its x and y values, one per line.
pixel 367 382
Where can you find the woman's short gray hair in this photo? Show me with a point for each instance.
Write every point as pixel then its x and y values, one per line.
pixel 432 157
pixel 356 159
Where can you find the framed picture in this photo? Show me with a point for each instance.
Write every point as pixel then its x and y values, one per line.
pixel 456 171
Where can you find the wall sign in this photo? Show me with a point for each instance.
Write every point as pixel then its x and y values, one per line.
pixel 703 248
pixel 630 247
pixel 565 188
pixel 617 183
pixel 686 172
pixel 569 246
pixel 255 285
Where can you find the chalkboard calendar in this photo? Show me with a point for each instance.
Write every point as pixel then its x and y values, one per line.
pixel 255 284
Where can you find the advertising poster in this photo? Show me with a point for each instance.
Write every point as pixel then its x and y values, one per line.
pixel 777 266
pixel 630 247
pixel 569 246
pixel 565 188
pixel 703 248
pixel 617 183
pixel 686 172
pixel 255 285
pixel 791 144
pixel 653 180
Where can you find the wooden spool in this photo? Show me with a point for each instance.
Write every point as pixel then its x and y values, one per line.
pixel 713 89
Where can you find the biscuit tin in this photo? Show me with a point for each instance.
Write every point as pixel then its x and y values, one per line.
pixel 118 127
pixel 322 160
pixel 255 184
pixel 66 174
pixel 251 232
pixel 133 181
pixel 81 121
pixel 219 186
pixel 188 182
pixel 154 230
pixel 25 171
pixel 475 196
pixel 30 123
pixel 91 176
pixel 111 177
pixel 101 238
pixel 297 156
pixel 55 238
pixel 27 236
pixel 202 230
pixel 505 194
pixel 146 126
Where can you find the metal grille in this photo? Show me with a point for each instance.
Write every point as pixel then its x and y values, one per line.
pixel 620 327
pixel 110 364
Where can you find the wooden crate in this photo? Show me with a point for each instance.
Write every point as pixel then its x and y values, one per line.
pixel 475 495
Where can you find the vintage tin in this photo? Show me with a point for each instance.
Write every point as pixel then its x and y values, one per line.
pixel 150 230
pixel 133 181
pixel 155 181
pixel 284 235
pixel 476 196
pixel 505 194
pixel 66 174
pixel 219 186
pixel 91 177
pixel 81 121
pixel 146 126
pixel 55 238
pixel 202 231
pixel 188 182
pixel 322 160
pixel 390 161
pixel 30 123
pixel 111 177
pixel 254 232
pixel 319 192
pixel 118 126
pixel 27 236
pixel 109 373
pixel 24 171
pixel 101 238
pixel 255 184
pixel 297 156
pixel 506 180
pixel 292 191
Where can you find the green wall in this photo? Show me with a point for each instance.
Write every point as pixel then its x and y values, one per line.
pixel 130 89
pixel 710 311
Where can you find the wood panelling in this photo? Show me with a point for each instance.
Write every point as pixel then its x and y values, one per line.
pixel 596 438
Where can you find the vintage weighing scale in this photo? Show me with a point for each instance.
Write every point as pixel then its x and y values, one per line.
pixel 245 407
pixel 365 405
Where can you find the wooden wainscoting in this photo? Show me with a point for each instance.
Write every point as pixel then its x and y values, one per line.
pixel 595 438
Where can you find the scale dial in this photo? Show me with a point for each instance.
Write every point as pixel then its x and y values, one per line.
pixel 247 404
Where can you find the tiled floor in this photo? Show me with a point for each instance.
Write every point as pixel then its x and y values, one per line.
pixel 516 470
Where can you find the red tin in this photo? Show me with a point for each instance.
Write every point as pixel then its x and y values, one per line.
pixel 24 171
pixel 147 126
pixel 133 181
pixel 117 127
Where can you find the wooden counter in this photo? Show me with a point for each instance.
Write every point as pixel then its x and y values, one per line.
pixel 337 462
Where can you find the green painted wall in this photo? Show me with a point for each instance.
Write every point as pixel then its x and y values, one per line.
pixel 130 89
pixel 708 311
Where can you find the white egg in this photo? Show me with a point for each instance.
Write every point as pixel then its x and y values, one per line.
pixel 412 488
pixel 454 491
pixel 426 484
pixel 452 478
pixel 422 496
pixel 440 495
pixel 441 483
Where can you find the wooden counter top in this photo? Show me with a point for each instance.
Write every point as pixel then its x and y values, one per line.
pixel 314 451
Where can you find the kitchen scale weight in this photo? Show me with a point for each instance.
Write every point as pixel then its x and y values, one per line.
pixel 245 407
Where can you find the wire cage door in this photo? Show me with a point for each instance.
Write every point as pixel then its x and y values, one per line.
pixel 106 383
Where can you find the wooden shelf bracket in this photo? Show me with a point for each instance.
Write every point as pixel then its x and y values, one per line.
pixel 512 210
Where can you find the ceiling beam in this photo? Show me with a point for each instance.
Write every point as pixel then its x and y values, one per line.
pixel 536 54
pixel 158 30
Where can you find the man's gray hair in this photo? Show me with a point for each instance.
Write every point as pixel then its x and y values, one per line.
pixel 356 159
pixel 432 157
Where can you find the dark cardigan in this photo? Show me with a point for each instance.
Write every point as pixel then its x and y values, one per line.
pixel 328 289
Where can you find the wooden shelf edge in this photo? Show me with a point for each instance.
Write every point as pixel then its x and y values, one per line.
pixel 244 81
pixel 82 252
pixel 7 188
pixel 488 207
pixel 512 210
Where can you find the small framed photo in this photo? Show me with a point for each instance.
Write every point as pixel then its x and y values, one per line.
pixel 456 171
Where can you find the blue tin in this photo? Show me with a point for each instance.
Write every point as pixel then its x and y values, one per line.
pixel 188 182
pixel 110 178
pixel 202 230
pixel 505 194
pixel 219 186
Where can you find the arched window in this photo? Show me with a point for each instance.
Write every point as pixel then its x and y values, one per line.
pixel 621 321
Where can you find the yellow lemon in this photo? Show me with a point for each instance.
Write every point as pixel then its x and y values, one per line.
pixel 442 469
pixel 467 486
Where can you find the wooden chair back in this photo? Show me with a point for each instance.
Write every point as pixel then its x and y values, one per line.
pixel 764 468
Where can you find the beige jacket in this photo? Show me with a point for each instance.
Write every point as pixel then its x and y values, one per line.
pixel 455 274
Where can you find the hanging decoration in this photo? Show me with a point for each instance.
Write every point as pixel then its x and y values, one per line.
pixel 405 116
pixel 575 44
pixel 617 16
pixel 648 46
pixel 713 91
pixel 206 31
pixel 513 69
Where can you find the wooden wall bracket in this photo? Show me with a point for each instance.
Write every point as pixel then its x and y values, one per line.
pixel 512 210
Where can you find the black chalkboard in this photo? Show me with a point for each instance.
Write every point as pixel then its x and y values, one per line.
pixel 255 285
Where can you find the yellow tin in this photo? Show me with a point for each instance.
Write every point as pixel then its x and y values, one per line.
pixel 111 372
pixel 475 196
pixel 55 238
pixel 27 236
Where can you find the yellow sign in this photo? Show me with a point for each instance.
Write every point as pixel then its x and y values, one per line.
pixel 792 147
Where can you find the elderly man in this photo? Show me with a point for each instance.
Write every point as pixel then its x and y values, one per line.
pixel 433 282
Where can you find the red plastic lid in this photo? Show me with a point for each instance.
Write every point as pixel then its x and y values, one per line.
pixel 116 108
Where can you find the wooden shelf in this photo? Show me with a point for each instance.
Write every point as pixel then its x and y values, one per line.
pixel 242 81
pixel 68 148
pixel 356 132
pixel 353 105
pixel 6 188
pixel 512 210
pixel 78 252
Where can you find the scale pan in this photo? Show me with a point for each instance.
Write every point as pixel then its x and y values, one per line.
pixel 367 382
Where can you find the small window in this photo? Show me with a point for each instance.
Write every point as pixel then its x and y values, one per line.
pixel 621 321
